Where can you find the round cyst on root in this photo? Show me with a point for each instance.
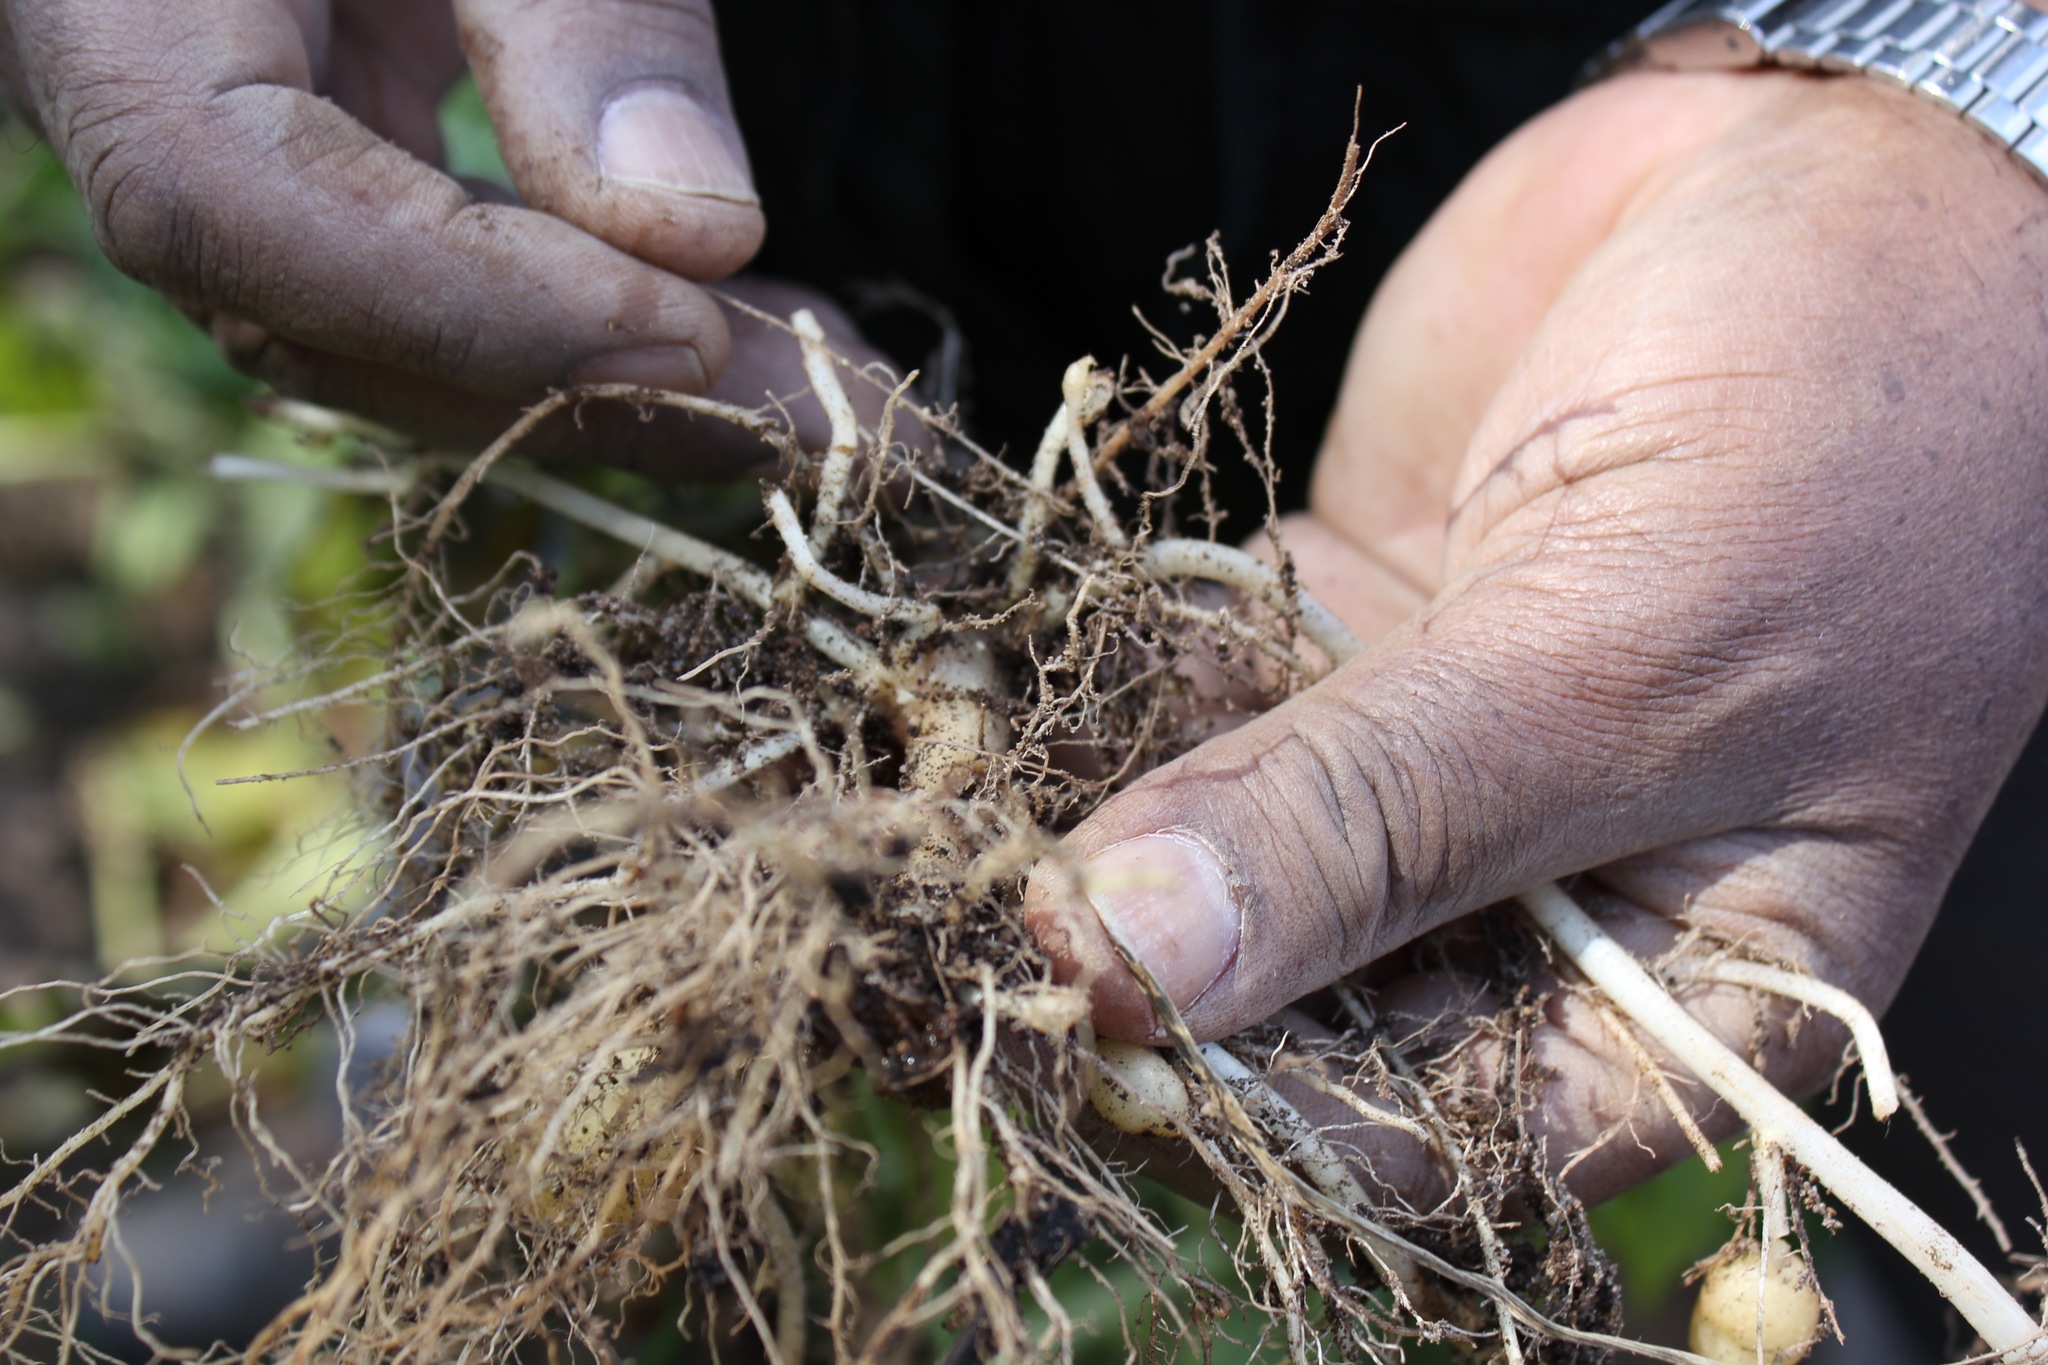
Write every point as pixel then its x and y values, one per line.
pixel 1733 1308
pixel 1137 1090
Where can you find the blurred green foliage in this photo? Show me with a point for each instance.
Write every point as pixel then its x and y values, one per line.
pixel 1663 1227
pixel 144 583
pixel 466 129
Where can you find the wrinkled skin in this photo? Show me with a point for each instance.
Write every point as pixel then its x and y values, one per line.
pixel 273 167
pixel 1688 477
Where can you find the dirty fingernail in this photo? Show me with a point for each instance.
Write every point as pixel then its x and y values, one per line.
pixel 659 137
pixel 1167 896
pixel 649 367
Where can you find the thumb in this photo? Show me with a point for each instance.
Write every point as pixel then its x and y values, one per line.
pixel 613 114
pixel 1511 735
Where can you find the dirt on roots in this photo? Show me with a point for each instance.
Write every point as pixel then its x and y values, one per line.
pixel 665 875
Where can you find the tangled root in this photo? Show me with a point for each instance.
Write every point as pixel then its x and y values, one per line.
pixel 668 877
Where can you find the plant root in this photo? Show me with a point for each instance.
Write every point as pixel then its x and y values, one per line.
pixel 691 889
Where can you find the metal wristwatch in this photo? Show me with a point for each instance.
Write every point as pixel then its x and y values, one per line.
pixel 1984 60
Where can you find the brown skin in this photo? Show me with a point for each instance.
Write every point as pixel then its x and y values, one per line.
pixel 273 167
pixel 1690 478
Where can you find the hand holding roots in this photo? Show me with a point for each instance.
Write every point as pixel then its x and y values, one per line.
pixel 655 870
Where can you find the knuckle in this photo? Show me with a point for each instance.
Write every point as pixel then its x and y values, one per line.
pixel 1333 780
pixel 1400 785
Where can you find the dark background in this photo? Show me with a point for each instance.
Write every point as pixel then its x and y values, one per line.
pixel 1031 167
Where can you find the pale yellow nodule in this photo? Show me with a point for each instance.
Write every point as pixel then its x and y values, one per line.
pixel 1748 1312
pixel 1137 1090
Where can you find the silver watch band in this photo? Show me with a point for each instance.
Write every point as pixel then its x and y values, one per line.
pixel 1985 60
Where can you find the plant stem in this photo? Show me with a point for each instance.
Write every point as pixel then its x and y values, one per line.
pixel 1937 1255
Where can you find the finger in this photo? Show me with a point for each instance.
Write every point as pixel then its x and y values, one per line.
pixel 661 443
pixel 236 190
pixel 1441 771
pixel 766 367
pixel 613 114
pixel 14 101
pixel 1575 1071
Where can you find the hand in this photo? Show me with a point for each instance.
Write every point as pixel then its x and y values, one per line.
pixel 272 167
pixel 1690 476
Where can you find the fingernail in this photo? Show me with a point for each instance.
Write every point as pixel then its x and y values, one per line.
pixel 1168 898
pixel 649 367
pixel 655 135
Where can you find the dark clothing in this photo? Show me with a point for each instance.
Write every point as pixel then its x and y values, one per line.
pixel 1031 166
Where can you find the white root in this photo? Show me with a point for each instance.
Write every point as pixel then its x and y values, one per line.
pixel 1233 568
pixel 1305 1143
pixel 920 618
pixel 659 541
pixel 561 400
pixel 326 423
pixel 1086 397
pixel 1224 624
pixel 1065 434
pixel 1936 1254
pixel 1045 469
pixel 1045 464
pixel 952 728
pixel 828 637
pixel 382 483
pixel 823 372
pixel 762 754
pixel 1877 1066
pixel 1773 1192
